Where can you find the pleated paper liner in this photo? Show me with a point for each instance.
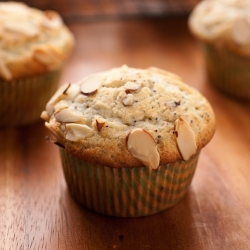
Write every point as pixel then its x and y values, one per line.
pixel 23 100
pixel 127 192
pixel 227 71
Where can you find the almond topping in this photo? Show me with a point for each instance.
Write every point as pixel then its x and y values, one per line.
pixel 67 115
pixel 45 115
pixel 76 132
pixel 52 129
pixel 72 91
pixel 52 20
pixel 99 125
pixel 241 31
pixel 143 147
pixel 55 98
pixel 131 86
pixel 185 138
pixel 173 103
pixel 91 84
pixel 128 100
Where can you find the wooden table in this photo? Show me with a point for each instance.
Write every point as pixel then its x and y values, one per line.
pixel 36 210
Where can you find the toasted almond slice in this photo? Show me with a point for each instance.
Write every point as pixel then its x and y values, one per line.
pixel 128 100
pixel 45 116
pixel 76 132
pixel 173 103
pixel 52 20
pixel 185 138
pixel 60 105
pixel 72 91
pixel 241 31
pixel 186 118
pixel 90 84
pixel 143 147
pixel 51 128
pixel 67 115
pixel 99 125
pixel 132 86
pixel 55 98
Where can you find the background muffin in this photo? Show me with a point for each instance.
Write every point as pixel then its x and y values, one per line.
pixel 33 48
pixel 129 138
pixel 223 28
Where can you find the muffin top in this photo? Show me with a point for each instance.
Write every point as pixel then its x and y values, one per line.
pixel 31 41
pixel 224 23
pixel 128 117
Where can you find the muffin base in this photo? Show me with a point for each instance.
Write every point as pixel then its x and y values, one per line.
pixel 127 192
pixel 227 71
pixel 23 100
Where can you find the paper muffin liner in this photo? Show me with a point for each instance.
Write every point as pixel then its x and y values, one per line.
pixel 23 100
pixel 127 192
pixel 227 71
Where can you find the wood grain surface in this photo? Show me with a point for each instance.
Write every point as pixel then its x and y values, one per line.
pixel 36 210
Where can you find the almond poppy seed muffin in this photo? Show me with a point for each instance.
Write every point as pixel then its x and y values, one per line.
pixel 222 28
pixel 130 135
pixel 34 46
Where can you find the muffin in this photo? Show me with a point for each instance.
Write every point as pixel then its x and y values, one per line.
pixel 34 45
pixel 223 29
pixel 129 139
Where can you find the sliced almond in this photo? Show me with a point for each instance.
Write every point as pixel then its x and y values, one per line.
pixel 55 98
pixel 99 125
pixel 60 105
pixel 241 31
pixel 132 86
pixel 51 128
pixel 185 138
pixel 172 103
pixel 45 116
pixel 76 132
pixel 128 100
pixel 186 118
pixel 90 84
pixel 143 147
pixel 67 115
pixel 52 20
pixel 72 91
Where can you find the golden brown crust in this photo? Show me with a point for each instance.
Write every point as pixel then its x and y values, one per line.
pixel 160 99
pixel 31 39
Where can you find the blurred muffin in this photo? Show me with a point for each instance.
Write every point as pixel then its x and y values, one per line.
pixel 223 28
pixel 129 139
pixel 33 48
